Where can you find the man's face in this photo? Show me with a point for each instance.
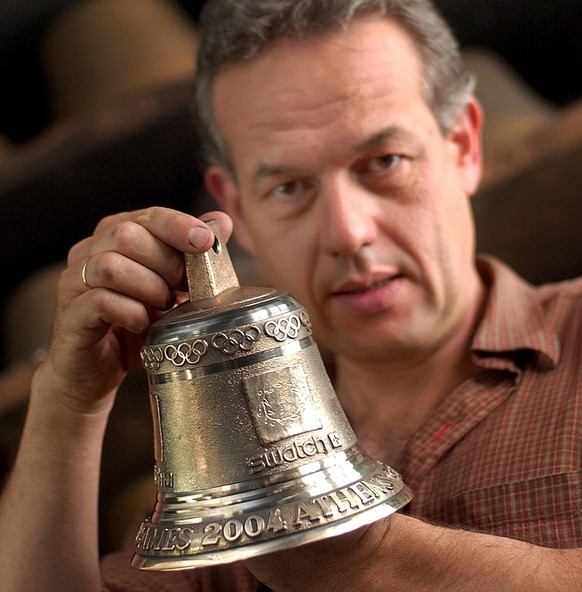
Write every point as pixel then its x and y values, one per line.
pixel 347 191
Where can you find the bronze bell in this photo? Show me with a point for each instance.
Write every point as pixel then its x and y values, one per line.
pixel 253 452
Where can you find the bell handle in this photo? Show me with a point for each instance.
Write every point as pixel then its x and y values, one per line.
pixel 212 272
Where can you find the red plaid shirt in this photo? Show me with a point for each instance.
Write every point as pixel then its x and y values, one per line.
pixel 503 453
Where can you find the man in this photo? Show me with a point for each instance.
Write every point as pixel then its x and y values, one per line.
pixel 345 151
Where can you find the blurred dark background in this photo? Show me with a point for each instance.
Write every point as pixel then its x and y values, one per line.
pixel 542 39
pixel 24 106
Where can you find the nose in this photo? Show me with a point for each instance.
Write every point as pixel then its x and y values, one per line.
pixel 347 218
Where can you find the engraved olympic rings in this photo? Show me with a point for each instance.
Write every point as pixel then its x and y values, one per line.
pixel 305 320
pixel 152 358
pixel 185 352
pixel 179 355
pixel 284 328
pixel 236 340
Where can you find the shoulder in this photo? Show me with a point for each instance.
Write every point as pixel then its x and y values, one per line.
pixel 562 303
pixel 571 289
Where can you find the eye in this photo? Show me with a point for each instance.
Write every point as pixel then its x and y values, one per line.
pixel 286 189
pixel 293 190
pixel 291 198
pixel 383 164
pixel 385 173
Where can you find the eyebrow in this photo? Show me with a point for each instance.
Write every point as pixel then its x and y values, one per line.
pixel 388 133
pixel 265 171
pixel 271 170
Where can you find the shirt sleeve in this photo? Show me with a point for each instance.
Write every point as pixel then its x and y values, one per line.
pixel 118 575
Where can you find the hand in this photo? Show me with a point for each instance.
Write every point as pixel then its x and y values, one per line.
pixel 116 283
pixel 337 563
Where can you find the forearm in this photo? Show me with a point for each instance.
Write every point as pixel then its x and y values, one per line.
pixel 48 510
pixel 404 553
pixel 425 557
pixel 116 282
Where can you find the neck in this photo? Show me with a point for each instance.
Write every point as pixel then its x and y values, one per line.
pixel 391 400
pixel 378 391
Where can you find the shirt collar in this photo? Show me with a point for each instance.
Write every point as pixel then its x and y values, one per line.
pixel 514 320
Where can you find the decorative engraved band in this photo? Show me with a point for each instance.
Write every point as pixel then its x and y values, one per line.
pixel 230 364
pixel 216 347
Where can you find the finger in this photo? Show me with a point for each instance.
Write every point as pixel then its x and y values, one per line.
pixel 223 221
pixel 100 309
pixel 143 237
pixel 175 229
pixel 111 259
pixel 113 271
pixel 97 339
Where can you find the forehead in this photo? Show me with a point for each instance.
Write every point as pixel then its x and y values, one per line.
pixel 300 88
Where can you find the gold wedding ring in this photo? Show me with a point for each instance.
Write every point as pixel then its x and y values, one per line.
pixel 84 275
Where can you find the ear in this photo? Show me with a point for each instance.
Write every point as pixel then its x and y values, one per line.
pixel 225 190
pixel 466 137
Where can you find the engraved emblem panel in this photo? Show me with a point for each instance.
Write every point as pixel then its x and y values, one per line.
pixel 281 404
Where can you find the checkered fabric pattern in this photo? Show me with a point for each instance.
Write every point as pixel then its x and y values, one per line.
pixel 503 454
pixel 119 576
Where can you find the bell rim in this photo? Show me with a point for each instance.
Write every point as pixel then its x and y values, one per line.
pixel 260 548
pixel 333 501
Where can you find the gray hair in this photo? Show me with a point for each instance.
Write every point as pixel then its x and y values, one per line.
pixel 236 30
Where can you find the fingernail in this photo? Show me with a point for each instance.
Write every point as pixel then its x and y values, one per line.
pixel 199 237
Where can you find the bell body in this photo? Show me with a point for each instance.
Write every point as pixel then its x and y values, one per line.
pixel 253 452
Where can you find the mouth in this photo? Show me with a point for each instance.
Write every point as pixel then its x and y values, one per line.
pixel 370 296
pixel 366 288
pixel 362 287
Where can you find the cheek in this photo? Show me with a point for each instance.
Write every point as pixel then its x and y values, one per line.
pixel 455 248
pixel 297 269
pixel 280 261
pixel 440 235
pixel 452 209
